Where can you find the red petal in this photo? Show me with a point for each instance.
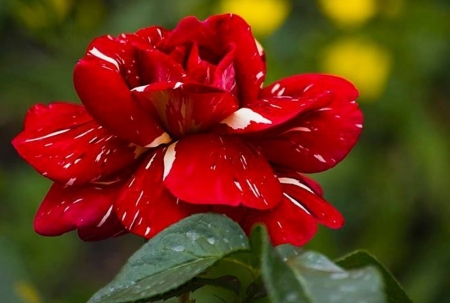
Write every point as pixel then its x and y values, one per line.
pixel 311 85
pixel 65 144
pixel 103 79
pixel 295 219
pixel 313 185
pixel 267 113
pixel 235 213
pixel 286 223
pixel 187 108
pixel 145 206
pixel 302 195
pixel 159 67
pixel 153 34
pixel 88 209
pixel 318 139
pixel 225 73
pixel 214 36
pixel 210 169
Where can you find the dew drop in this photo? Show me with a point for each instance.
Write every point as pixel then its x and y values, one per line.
pixel 211 241
pixel 192 235
pixel 178 248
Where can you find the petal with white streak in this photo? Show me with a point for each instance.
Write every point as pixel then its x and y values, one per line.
pixel 145 207
pixel 103 79
pixel 295 219
pixel 62 142
pixel 320 137
pixel 215 35
pixel 301 194
pixel 185 108
pixel 223 170
pixel 287 223
pixel 267 113
pixel 87 208
pixel 310 86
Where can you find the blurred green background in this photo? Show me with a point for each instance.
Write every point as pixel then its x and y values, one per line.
pixel 393 188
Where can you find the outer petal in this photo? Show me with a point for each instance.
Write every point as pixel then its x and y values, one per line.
pixel 267 113
pixel 215 35
pixel 88 209
pixel 310 183
pixel 311 85
pixel 210 169
pixel 65 144
pixel 295 219
pixel 153 34
pixel 300 192
pixel 186 108
pixel 145 206
pixel 103 79
pixel 318 139
pixel 287 223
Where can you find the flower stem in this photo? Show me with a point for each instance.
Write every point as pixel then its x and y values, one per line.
pixel 184 298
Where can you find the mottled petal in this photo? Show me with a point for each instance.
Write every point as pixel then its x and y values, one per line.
pixel 225 73
pixel 153 34
pixel 210 169
pixel 216 34
pixel 267 113
pixel 145 206
pixel 311 85
pixel 310 183
pixel 110 229
pixel 62 142
pixel 185 108
pixel 56 115
pixel 103 80
pixel 300 193
pixel 321 137
pixel 88 209
pixel 287 223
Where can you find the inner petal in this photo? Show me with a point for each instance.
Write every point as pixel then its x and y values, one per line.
pixel 186 108
pixel 200 71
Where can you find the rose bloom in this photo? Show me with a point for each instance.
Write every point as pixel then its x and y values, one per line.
pixel 176 122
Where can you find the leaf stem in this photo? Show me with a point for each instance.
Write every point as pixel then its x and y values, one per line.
pixel 184 298
pixel 254 271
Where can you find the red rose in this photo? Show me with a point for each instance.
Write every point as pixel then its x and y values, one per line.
pixel 176 122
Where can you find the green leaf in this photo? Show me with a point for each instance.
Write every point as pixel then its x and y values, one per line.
pixel 291 274
pixel 280 281
pixel 393 290
pixel 173 258
pixel 287 251
pixel 326 282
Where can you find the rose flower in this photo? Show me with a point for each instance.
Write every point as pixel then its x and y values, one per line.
pixel 176 122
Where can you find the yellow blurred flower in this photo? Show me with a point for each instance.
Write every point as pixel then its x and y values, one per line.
pixel 26 292
pixel 348 13
pixel 364 63
pixel 264 16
